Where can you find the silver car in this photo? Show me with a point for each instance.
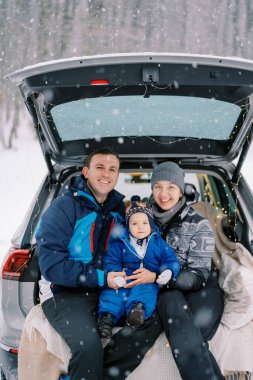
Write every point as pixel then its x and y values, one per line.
pixel 194 110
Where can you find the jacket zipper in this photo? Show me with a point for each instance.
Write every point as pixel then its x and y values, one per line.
pixel 136 254
pixel 108 235
pixel 91 238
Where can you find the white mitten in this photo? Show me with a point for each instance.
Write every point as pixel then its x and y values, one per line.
pixel 119 281
pixel 164 277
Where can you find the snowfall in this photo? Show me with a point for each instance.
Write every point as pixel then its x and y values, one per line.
pixel 23 169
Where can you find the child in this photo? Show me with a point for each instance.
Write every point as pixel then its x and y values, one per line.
pixel 139 245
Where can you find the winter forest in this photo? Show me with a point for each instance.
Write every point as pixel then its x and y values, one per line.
pixel 33 32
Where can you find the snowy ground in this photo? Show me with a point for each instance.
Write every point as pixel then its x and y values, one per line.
pixel 22 170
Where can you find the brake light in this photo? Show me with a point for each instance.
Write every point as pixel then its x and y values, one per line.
pixel 97 82
pixel 13 350
pixel 15 264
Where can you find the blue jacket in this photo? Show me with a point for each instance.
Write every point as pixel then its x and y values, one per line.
pixel 158 257
pixel 122 255
pixel 73 235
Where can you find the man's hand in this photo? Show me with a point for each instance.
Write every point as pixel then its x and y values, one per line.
pixel 110 279
pixel 140 276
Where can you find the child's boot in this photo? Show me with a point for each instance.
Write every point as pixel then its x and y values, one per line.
pixel 105 325
pixel 136 316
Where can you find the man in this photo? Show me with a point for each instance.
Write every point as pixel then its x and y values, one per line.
pixel 72 238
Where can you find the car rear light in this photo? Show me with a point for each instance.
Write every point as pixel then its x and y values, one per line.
pixel 13 350
pixel 15 264
pixel 97 82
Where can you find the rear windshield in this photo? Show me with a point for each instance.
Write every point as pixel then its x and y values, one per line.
pixel 176 116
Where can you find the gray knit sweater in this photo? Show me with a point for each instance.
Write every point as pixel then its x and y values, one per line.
pixel 189 234
pixel 192 239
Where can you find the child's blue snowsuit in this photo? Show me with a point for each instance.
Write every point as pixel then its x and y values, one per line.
pixel 122 255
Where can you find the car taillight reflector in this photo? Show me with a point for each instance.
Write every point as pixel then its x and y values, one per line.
pixel 15 264
pixel 98 82
pixel 13 350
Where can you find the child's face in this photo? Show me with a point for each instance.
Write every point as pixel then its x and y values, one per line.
pixel 139 226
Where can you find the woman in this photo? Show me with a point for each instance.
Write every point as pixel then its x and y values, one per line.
pixel 191 306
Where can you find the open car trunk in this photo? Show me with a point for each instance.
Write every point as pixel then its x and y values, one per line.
pixel 150 107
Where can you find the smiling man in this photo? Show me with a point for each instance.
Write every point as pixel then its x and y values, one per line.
pixel 101 171
pixel 72 238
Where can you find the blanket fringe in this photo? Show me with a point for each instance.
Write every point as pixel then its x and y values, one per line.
pixel 239 376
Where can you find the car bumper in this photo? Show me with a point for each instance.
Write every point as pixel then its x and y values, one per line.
pixel 9 364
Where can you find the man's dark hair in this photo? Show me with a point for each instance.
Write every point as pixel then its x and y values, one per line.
pixel 104 150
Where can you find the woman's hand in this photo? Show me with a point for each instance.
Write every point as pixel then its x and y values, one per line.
pixel 140 276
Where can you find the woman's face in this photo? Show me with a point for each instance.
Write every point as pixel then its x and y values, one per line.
pixel 166 194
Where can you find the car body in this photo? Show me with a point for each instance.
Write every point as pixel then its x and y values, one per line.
pixel 194 110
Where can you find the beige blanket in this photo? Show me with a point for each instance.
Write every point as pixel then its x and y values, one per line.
pixel 235 265
pixel 233 350
pixel 232 344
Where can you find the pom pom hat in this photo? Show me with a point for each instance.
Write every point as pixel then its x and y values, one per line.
pixel 168 171
pixel 137 206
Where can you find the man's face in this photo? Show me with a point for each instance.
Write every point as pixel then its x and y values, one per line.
pixel 102 175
